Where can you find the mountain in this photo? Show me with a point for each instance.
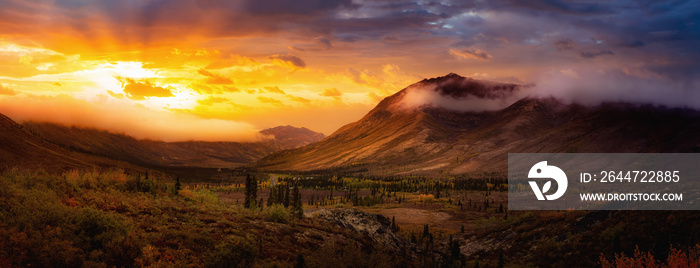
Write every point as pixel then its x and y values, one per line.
pixel 401 135
pixel 20 147
pixel 287 137
pixel 172 154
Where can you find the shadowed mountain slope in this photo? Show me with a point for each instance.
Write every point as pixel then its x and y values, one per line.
pixel 21 148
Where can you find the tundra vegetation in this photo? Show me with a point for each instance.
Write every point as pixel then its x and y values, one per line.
pixel 110 218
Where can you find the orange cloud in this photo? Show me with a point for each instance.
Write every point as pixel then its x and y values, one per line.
pixel 262 99
pixel 373 96
pixel 299 99
pixel 115 95
pixel 231 89
pixel 391 69
pixel 196 52
pixel 331 92
pixel 234 60
pixel 7 91
pixel 274 89
pixel 213 89
pixel 367 78
pixel 139 90
pixel 211 101
pixel 215 78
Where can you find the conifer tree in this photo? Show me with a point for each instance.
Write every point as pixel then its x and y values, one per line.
pixel 300 263
pixel 298 210
pixel 286 196
pixel 271 197
pixel 251 192
pixel 178 185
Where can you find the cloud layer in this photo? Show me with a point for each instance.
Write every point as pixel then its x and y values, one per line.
pixel 428 96
pixel 139 90
pixel 270 57
pixel 135 121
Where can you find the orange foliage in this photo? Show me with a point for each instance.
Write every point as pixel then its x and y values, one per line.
pixel 676 259
pixel 71 202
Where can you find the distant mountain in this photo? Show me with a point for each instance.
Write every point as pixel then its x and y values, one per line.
pixel 431 139
pixel 20 147
pixel 287 137
pixel 169 154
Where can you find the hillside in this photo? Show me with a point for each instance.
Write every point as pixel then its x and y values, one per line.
pixel 111 219
pixel 172 154
pixel 431 139
pixel 19 147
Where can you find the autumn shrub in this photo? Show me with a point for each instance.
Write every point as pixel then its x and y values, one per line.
pixel 343 254
pixel 44 226
pixel 205 196
pixel 196 241
pixel 238 252
pixel 38 248
pixel 141 184
pixel 96 229
pixel 676 259
pixel 277 213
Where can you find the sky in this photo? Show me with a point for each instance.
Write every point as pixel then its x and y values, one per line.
pixel 223 70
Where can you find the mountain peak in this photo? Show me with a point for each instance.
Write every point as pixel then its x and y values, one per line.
pixel 293 136
pixel 442 78
pixel 453 92
pixel 288 129
pixel 452 141
pixel 457 86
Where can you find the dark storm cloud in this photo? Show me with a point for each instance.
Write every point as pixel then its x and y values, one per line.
pixel 634 22
pixel 300 7
pixel 593 54
pixel 665 34
pixel 374 21
pixel 635 43
pixel 317 44
pixel 563 7
pixel 470 53
pixel 564 44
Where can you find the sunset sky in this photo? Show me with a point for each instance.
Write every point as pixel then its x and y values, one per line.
pixel 222 70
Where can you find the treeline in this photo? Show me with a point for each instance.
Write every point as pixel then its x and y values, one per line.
pixel 354 190
pixel 400 184
pixel 280 194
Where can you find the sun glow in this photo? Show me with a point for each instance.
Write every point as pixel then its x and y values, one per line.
pixel 209 83
pixel 183 99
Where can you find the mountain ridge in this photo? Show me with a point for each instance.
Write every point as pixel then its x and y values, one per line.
pixel 19 147
pixel 174 154
pixel 433 140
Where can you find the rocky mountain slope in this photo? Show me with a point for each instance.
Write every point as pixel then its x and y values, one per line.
pixel 439 136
